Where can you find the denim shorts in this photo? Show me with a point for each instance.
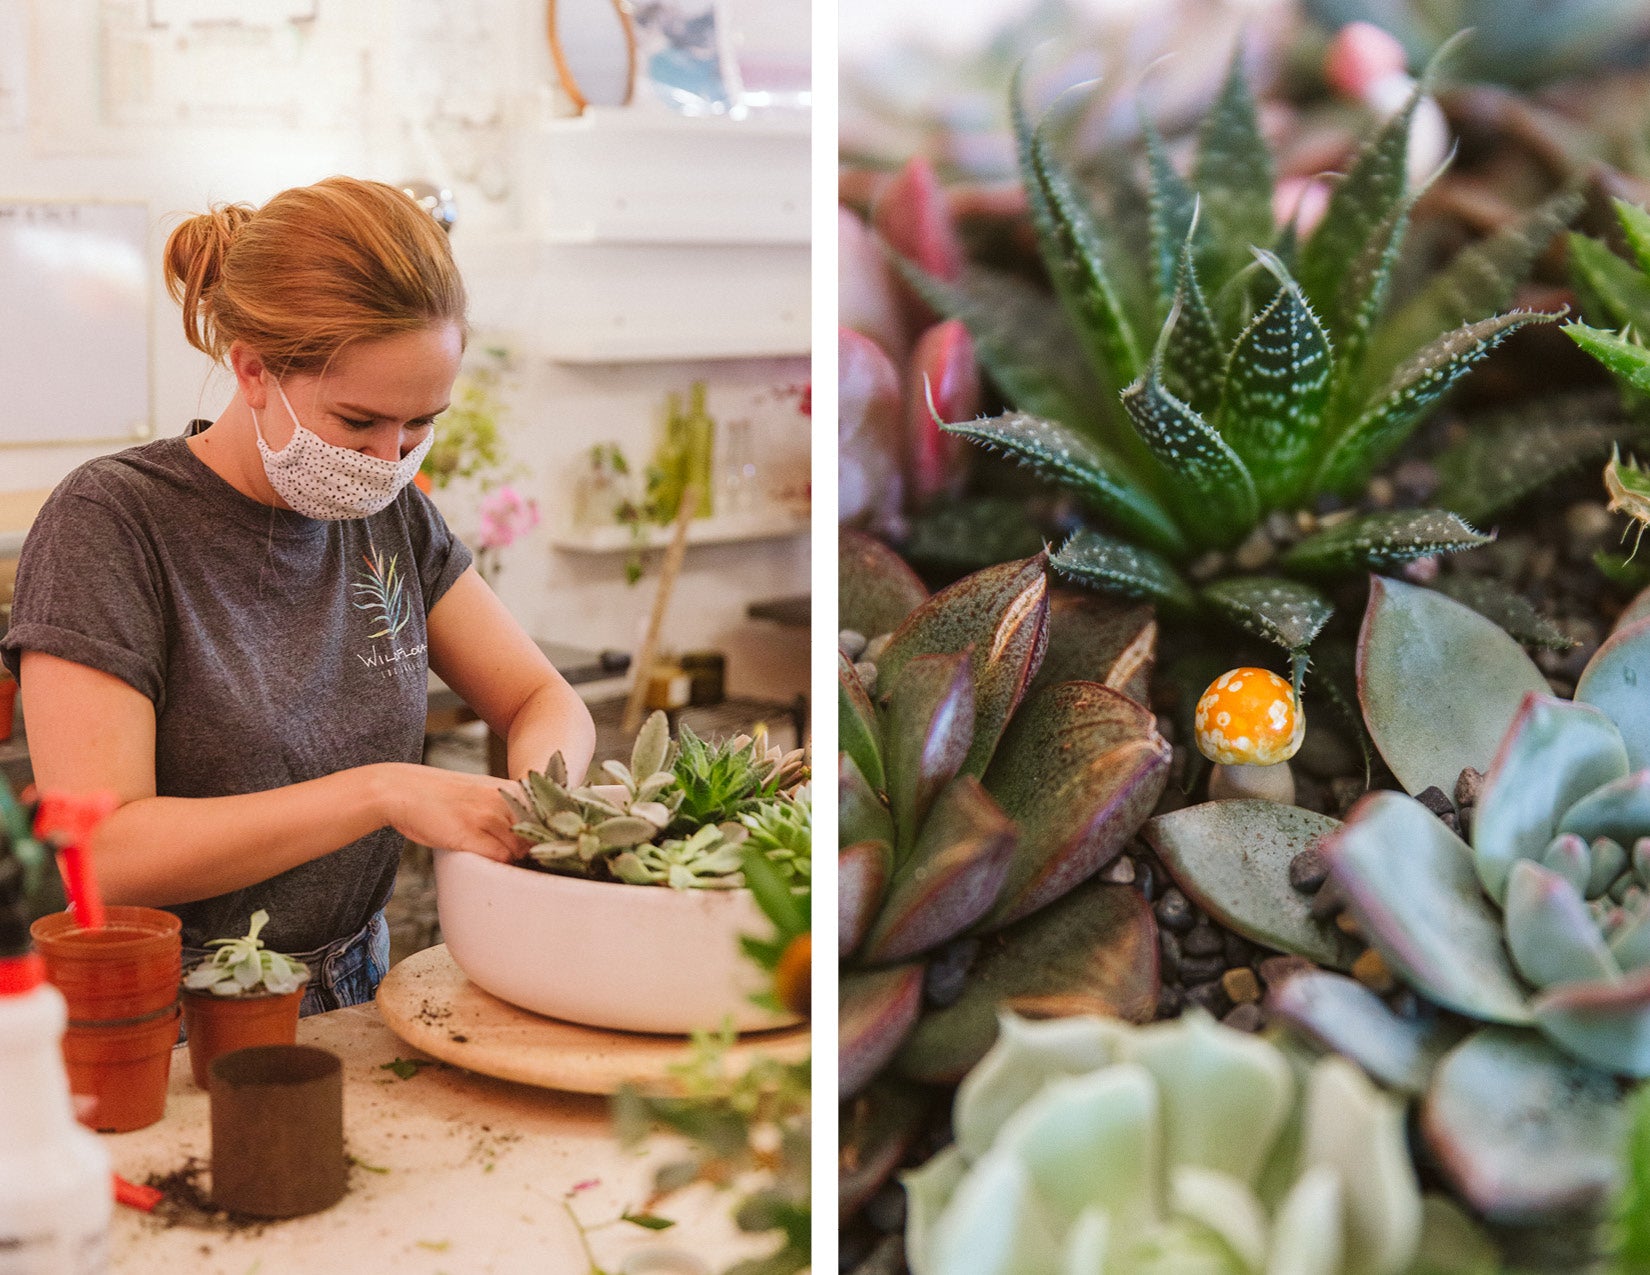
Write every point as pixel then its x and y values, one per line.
pixel 346 971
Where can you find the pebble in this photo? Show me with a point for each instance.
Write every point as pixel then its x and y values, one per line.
pixel 1327 902
pixel 1241 985
pixel 1200 969
pixel 1147 878
pixel 1416 481
pixel 876 646
pixel 1281 528
pixel 1203 940
pixel 1588 525
pixel 1370 970
pixel 1381 492
pixel 1255 552
pixel 1467 787
pixel 851 643
pixel 1421 570
pixel 1210 996
pixel 1238 950
pixel 1207 566
pixel 1309 869
pixel 867 673
pixel 1275 970
pixel 1120 871
pixel 1174 912
pixel 1437 801
pixel 886 1209
pixel 947 973
pixel 1168 957
pixel 1346 923
pixel 1543 560
pixel 1170 1001
pixel 1246 1018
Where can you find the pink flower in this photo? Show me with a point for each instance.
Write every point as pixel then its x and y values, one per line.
pixel 505 514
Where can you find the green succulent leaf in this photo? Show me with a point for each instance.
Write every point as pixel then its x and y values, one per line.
pixel 1093 951
pixel 1388 538
pixel 1495 600
pixel 951 878
pixel 1635 228
pixel 1438 683
pixel 1522 1132
pixel 1276 389
pixel 929 728
pixel 1553 755
pixel 1411 885
pixel 1619 810
pixel 862 872
pixel 1194 360
pixel 857 724
pixel 1604 1023
pixel 862 814
pixel 1550 933
pixel 1075 252
pixel 1344 1016
pixel 1092 638
pixel 1625 359
pixel 1115 566
pixel 1233 173
pixel 1387 420
pixel 1214 485
pixel 876 1010
pixel 1077 770
pixel 1094 474
pixel 1232 859
pixel 1616 681
pixel 1285 612
pixel 1610 284
pixel 1171 212
pixel 876 589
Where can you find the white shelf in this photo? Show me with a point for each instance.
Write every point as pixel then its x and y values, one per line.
pixel 634 175
pixel 769 524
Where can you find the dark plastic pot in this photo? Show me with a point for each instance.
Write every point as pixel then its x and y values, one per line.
pixel 278 1130
pixel 220 1025
pixel 121 985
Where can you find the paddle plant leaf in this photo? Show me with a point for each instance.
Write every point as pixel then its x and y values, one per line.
pixel 1342 1015
pixel 862 872
pixel 1617 682
pixel 1438 683
pixel 1551 935
pixel 1604 1023
pixel 857 724
pixel 1387 538
pixel 1114 566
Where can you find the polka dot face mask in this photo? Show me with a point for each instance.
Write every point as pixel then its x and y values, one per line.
pixel 322 481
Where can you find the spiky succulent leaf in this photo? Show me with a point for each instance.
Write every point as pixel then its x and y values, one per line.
pixel 1171 213
pixel 929 728
pixel 875 1012
pixel 1194 359
pixel 1094 474
pixel 1385 539
pixel 1387 420
pixel 876 589
pixel 1276 389
pixel 1610 287
pixel 1495 600
pixel 1233 172
pixel 1286 612
pixel 1635 228
pixel 1217 493
pixel 1624 359
pixel 1115 566
pixel 1078 769
pixel 1614 682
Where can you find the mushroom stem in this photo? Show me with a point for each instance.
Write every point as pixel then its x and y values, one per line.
pixel 1269 783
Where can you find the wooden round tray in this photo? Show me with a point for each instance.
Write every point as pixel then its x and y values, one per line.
pixel 428 1002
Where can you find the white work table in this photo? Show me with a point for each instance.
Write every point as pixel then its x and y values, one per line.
pixel 468 1177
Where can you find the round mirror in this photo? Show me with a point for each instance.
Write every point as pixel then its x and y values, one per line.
pixel 593 45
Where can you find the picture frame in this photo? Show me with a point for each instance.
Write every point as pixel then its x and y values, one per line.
pixel 684 58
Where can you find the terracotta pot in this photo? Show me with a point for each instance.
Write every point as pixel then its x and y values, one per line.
pixel 121 983
pixel 278 1130
pixel 222 1024
pixel 8 705
pixel 122 1069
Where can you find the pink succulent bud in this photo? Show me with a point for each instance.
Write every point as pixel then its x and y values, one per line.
pixel 913 215
pixel 1302 200
pixel 1359 57
pixel 943 371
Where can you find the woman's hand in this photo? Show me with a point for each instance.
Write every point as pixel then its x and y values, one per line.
pixel 450 810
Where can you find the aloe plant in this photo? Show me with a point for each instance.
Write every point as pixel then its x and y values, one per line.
pixel 1203 368
pixel 1086 1144
pixel 1616 291
pixel 993 764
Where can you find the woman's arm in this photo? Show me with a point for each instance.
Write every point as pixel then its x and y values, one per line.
pixel 479 650
pixel 89 731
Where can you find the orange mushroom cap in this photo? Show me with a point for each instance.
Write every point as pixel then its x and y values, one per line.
pixel 1249 717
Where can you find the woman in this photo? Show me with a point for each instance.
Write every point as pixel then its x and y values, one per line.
pixel 231 630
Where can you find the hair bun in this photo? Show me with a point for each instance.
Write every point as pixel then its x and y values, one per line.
pixel 193 262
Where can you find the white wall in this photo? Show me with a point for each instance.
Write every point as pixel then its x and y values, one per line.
pixel 103 106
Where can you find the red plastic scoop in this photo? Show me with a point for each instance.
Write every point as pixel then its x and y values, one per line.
pixel 133 1196
pixel 65 822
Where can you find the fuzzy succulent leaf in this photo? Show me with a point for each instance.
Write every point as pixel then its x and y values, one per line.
pixel 1438 683
pixel 1411 885
pixel 951 878
pixel 1276 390
pixel 1114 566
pixel 1387 538
pixel 1078 769
pixel 876 588
pixel 1232 859
pixel 1619 811
pixel 1094 951
pixel 1093 638
pixel 1000 615
pixel 1495 600
pixel 929 726
pixel 1286 612
pixel 1615 682
pixel 1522 1132
pixel 1233 173
pixel 1610 284
pixel 1343 1015
pixel 1095 475
pixel 651 753
pixel 1387 420
pixel 875 1012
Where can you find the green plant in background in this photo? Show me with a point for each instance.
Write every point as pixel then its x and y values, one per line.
pixel 1205 368
pixel 992 763
pixel 467 442
pixel 722 781
pixel 243 966
pixel 1616 292
pixel 1085 1144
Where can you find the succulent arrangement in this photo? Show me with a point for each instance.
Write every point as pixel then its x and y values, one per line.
pixel 1205 369
pixel 245 967
pixel 679 815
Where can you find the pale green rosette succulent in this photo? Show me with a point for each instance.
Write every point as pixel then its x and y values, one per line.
pixel 1085 1145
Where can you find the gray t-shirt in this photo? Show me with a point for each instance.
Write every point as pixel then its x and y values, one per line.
pixel 276 648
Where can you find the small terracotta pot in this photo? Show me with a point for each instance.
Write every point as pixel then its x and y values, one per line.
pixel 121 983
pixel 8 705
pixel 123 1069
pixel 278 1130
pixel 221 1024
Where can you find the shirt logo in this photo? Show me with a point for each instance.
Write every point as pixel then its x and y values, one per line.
pixel 379 591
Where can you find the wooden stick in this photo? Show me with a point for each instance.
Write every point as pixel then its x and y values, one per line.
pixel 642 664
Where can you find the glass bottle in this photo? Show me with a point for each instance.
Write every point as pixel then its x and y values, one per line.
pixel 699 437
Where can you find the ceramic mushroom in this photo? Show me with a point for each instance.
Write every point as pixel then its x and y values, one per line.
pixel 1250 724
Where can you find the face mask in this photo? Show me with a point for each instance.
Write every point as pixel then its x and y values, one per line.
pixel 322 481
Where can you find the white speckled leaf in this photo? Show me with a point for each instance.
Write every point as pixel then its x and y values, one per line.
pixel 1213 484
pixel 1383 539
pixel 1286 612
pixel 1115 566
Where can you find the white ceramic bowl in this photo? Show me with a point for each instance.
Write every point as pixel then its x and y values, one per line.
pixel 628 957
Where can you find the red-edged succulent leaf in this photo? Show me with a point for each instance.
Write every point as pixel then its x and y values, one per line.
pixel 876 590
pixel 949 880
pixel 867 293
pixel 876 1131
pixel 862 872
pixel 914 218
pixel 870 449
pixel 1079 769
pixel 857 731
pixel 876 1009
pixel 1232 859
pixel 944 382
pixel 929 726
pixel 1094 951
pixel 1605 1023
pixel 862 813
pixel 1092 638
pixel 1001 615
